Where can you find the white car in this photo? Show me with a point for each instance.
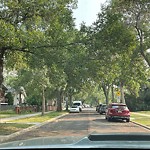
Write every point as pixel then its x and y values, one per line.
pixel 79 104
pixel 74 108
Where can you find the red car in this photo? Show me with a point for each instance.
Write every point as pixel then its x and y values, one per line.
pixel 117 111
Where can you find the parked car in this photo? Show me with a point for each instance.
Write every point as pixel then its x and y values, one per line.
pixel 74 108
pixel 102 109
pixel 117 111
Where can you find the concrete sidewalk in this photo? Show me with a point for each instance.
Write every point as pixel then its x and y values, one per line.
pixel 3 120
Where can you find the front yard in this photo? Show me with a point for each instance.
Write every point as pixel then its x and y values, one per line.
pixel 19 124
pixel 9 128
pixel 142 117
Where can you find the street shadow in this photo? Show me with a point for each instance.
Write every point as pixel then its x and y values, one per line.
pixel 99 120
pixel 114 120
pixel 83 114
pixel 117 120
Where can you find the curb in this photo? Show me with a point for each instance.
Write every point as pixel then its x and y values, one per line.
pixel 144 126
pixel 7 137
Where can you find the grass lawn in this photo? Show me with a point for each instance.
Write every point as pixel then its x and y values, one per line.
pixel 144 112
pixel 39 118
pixel 17 125
pixel 144 120
pixel 8 113
pixel 9 128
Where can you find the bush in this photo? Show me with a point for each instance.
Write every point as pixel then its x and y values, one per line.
pixel 147 97
pixel 10 98
pixel 34 101
pixel 134 104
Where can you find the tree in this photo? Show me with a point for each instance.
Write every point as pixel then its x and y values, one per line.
pixel 111 52
pixel 136 14
pixel 110 39
pixel 28 23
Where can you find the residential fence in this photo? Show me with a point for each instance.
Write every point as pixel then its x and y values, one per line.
pixel 26 108
pixel 6 107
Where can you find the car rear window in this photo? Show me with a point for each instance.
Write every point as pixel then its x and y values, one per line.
pixel 119 106
pixel 78 104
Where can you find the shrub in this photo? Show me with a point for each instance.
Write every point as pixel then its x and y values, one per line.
pixel 10 98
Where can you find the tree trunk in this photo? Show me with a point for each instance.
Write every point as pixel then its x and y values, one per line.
pixel 70 93
pixel 43 101
pixel 145 57
pixel 112 92
pixel 1 66
pixel 122 99
pixel 59 100
pixel 1 75
pixel 70 100
pixel 46 106
pixel 66 100
pixel 67 104
pixel 141 37
pixel 106 92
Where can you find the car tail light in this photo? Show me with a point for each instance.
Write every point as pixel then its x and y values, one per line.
pixel 111 111
pixel 126 111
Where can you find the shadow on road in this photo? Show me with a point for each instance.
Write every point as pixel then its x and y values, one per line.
pixel 104 120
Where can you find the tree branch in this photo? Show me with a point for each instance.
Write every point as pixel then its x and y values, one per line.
pixel 23 49
pixel 27 49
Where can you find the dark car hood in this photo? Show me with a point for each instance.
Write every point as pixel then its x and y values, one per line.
pixel 113 140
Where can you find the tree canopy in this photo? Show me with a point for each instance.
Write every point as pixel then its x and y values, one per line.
pixel 40 41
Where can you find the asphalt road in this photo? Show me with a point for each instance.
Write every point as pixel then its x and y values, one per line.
pixel 80 125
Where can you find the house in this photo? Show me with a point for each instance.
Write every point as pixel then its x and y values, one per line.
pixel 20 96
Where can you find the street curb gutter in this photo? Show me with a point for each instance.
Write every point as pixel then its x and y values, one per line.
pixel 7 137
pixel 141 125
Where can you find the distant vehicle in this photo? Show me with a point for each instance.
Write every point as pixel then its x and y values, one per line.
pixel 79 104
pixel 98 107
pixel 74 109
pixel 117 111
pixel 102 109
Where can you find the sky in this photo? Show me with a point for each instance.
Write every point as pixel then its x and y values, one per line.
pixel 87 11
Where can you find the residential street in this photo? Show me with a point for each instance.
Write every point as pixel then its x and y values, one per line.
pixel 63 63
pixel 80 125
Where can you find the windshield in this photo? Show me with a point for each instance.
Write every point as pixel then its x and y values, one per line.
pixel 78 104
pixel 89 55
